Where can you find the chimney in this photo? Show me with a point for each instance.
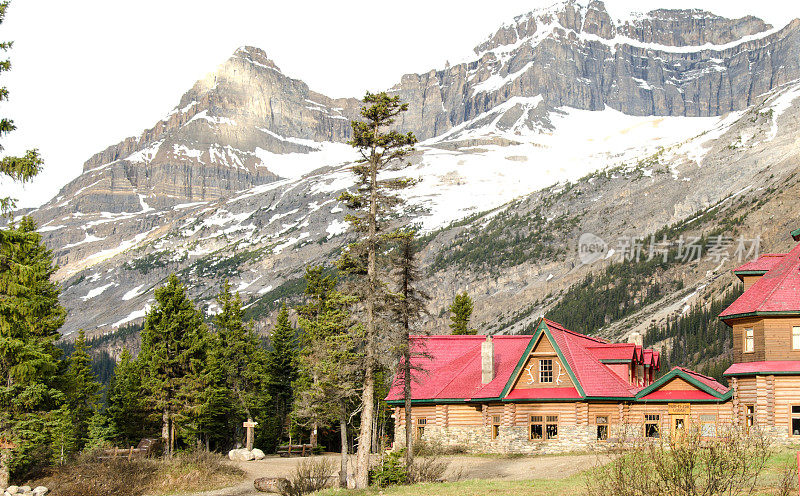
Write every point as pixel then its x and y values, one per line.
pixel 487 360
pixel 635 338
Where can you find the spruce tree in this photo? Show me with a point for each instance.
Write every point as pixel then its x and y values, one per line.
pixel 82 391
pixel 460 313
pixel 237 387
pixel 372 203
pixel 408 308
pixel 30 316
pixel 329 364
pixel 127 410
pixel 174 342
pixel 281 371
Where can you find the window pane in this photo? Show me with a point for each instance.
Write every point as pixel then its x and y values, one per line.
pixel 651 430
pixel 796 338
pixel 536 418
pixel 602 420
pixel 795 409
pixel 552 431
pixel 552 418
pixel 602 432
pixel 749 340
pixel 795 426
pixel 545 371
pixel 536 431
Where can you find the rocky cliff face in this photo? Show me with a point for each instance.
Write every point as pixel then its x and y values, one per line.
pixel 667 62
pixel 681 109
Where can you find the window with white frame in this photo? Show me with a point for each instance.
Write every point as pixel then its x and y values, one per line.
pixel 546 370
pixel 796 338
pixel 749 341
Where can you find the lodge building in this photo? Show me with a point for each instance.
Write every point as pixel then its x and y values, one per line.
pixel 558 390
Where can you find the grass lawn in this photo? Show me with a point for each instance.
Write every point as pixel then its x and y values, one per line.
pixel 574 485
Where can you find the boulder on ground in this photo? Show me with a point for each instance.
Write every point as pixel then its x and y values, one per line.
pixel 276 485
pixel 258 454
pixel 12 489
pixel 40 491
pixel 240 455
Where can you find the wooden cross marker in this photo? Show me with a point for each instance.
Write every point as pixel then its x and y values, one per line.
pixel 250 426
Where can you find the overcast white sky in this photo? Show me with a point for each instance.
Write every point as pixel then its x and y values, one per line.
pixel 87 73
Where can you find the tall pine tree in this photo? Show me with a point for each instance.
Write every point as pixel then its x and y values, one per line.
pixel 281 372
pixel 82 392
pixel 372 202
pixel 460 313
pixel 237 387
pixel 329 371
pixel 127 409
pixel 30 317
pixel 408 308
pixel 174 342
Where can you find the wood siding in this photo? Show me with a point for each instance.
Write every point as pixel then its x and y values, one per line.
pixel 773 339
pixel 529 374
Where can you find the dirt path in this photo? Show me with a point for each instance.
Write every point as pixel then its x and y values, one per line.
pixel 465 466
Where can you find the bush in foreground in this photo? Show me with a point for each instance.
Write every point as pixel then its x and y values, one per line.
pixel 685 465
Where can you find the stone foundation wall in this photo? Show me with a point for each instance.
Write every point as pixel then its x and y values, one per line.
pixel 571 438
pixel 478 439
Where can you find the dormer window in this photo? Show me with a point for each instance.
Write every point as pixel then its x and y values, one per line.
pixel 796 338
pixel 749 341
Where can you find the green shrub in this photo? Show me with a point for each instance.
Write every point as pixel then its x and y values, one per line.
pixel 391 471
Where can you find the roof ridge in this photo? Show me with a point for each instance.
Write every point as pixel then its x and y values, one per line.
pixel 575 333
pixel 694 372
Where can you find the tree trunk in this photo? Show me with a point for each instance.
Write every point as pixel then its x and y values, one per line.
pixel 365 431
pixel 343 435
pixel 166 432
pixel 407 403
pixel 368 395
pixel 375 429
pixel 313 439
pixel 4 471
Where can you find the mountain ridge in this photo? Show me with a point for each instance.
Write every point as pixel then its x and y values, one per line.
pixel 239 180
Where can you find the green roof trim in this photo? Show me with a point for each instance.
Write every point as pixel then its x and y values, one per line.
pixel 616 360
pixel 796 234
pixel 750 374
pixel 772 313
pixel 672 374
pixel 749 272
pixel 540 329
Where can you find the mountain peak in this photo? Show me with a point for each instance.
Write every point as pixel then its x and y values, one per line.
pixel 255 56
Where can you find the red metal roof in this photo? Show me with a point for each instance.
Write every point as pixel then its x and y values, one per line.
pixel 776 291
pixel 452 366
pixel 763 263
pixel 616 351
pixel 776 367
pixel 704 379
